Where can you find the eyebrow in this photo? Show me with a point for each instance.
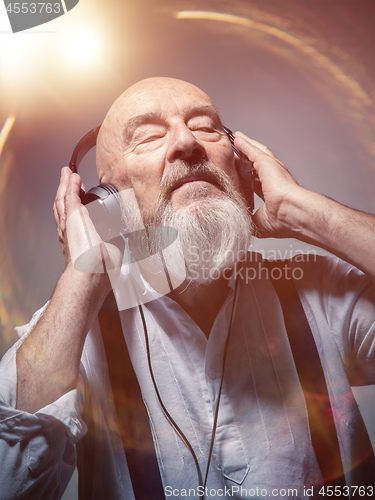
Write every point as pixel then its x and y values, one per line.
pixel 209 110
pixel 134 122
pixel 155 117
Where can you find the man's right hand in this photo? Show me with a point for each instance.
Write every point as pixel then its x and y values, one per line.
pixel 48 360
pixel 69 183
pixel 77 234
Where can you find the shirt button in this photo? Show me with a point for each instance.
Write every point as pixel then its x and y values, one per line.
pixel 212 374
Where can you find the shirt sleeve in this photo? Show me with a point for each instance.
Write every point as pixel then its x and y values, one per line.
pixel 356 319
pixel 37 451
pixel 346 299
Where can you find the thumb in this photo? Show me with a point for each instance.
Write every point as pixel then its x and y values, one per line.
pixel 262 226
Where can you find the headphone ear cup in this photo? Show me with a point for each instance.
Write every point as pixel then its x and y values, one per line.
pixel 104 207
pixel 103 201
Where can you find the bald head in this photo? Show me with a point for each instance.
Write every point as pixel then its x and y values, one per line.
pixel 142 98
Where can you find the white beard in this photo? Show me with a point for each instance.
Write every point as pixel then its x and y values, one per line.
pixel 213 231
pixel 212 238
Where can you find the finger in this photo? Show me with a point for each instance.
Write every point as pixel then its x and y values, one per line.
pixel 88 252
pixel 250 151
pixel 59 204
pixel 258 220
pixel 55 214
pixel 258 188
pixel 257 153
pixel 72 197
pixel 81 234
pixel 245 140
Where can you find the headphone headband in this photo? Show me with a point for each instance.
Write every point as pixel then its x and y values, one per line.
pixel 85 144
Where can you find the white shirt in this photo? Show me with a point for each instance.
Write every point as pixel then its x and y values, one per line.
pixel 262 438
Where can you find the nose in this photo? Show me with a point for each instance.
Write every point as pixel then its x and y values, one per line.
pixel 184 145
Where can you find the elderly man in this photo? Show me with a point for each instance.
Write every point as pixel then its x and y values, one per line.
pixel 220 377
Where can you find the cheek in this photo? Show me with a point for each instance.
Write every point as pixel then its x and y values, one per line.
pixel 226 161
pixel 221 154
pixel 146 186
pixel 140 171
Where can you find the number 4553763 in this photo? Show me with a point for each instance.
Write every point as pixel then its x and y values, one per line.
pixel 347 491
pixel 33 8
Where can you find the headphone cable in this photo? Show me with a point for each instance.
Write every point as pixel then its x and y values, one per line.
pixel 221 383
pixel 166 412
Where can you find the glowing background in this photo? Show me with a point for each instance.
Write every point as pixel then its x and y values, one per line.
pixel 295 75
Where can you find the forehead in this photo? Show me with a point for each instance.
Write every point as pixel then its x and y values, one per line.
pixel 164 100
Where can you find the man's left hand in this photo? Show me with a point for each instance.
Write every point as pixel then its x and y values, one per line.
pixel 289 210
pixel 278 189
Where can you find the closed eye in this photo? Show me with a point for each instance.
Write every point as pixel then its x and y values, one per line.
pixel 204 126
pixel 205 132
pixel 203 129
pixel 149 132
pixel 153 138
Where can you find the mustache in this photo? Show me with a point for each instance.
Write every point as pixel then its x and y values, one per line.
pixel 185 172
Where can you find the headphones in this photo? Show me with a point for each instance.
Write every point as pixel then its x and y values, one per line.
pixel 108 200
pixel 108 197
